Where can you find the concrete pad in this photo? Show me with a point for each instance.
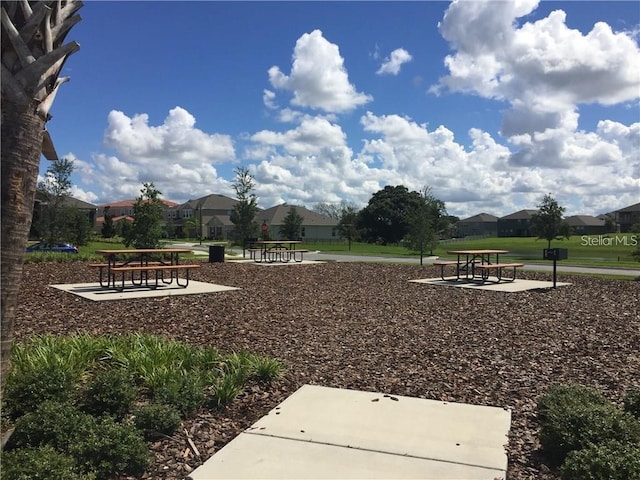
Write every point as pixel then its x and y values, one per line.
pixel 93 291
pixel 275 264
pixel 518 285
pixel 321 432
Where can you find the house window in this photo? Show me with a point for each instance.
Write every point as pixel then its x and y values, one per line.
pixel 187 213
pixel 302 232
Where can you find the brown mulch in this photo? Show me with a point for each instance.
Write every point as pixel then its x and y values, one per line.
pixel 365 327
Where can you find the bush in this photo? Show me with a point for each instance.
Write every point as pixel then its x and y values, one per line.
pixel 52 423
pixel 28 387
pixel 40 463
pixel 183 390
pixel 103 447
pixel 573 417
pixel 606 461
pixel 632 403
pixel 109 391
pixel 157 419
pixel 110 448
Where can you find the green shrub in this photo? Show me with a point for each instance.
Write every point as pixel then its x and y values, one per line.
pixel 28 387
pixel 111 448
pixel 632 403
pixel 40 464
pixel 610 460
pixel 110 391
pixel 573 425
pixel 568 397
pixel 52 423
pixel 227 388
pixel 183 390
pixel 266 369
pixel 103 446
pixel 156 419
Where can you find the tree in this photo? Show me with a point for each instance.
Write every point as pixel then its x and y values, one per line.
pixel 146 230
pixel 547 224
pixel 108 228
pixel 244 212
pixel 386 217
pixel 291 225
pixel 33 54
pixel 54 192
pixel 426 221
pixel 347 225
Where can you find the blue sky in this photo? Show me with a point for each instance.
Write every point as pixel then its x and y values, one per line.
pixel 490 104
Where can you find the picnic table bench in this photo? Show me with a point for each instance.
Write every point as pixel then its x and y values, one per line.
pixel 271 251
pixel 477 265
pixel 146 267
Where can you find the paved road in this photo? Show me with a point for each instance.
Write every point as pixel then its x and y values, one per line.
pixel 561 267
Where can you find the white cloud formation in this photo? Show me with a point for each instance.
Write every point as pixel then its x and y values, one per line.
pixel 392 64
pixel 543 69
pixel 318 78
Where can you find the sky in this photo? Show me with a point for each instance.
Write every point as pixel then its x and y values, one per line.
pixel 489 104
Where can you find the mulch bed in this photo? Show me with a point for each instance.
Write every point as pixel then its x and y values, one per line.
pixel 365 327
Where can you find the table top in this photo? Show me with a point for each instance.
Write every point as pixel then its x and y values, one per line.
pixel 135 251
pixel 477 252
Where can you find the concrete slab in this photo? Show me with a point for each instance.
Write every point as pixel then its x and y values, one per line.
pixel 321 432
pixel 93 291
pixel 275 264
pixel 518 285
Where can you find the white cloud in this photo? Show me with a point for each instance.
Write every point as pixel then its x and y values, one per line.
pixel 318 78
pixel 392 64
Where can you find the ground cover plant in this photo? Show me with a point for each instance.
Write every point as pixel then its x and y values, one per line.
pixel 587 435
pixel 96 400
pixel 366 327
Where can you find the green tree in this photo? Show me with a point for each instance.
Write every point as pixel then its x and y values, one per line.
pixel 291 225
pixel 635 240
pixel 427 220
pixel 547 224
pixel 347 228
pixel 386 218
pixel 79 228
pixel 33 54
pixel 146 230
pixel 108 228
pixel 53 193
pixel 244 212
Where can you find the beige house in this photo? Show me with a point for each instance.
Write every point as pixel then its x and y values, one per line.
pixel 207 217
pixel 481 224
pixel 121 211
pixel 315 227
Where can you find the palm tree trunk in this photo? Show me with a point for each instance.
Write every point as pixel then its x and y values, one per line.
pixel 22 132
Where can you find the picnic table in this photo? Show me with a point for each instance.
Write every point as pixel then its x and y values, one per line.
pixel 271 251
pixel 146 266
pixel 477 265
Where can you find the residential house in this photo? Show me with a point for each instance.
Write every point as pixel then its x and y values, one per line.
pixel 517 224
pixel 207 217
pixel 40 204
pixel 586 225
pixel 483 224
pixel 627 217
pixel 121 211
pixel 315 226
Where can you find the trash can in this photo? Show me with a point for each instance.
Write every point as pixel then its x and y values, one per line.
pixel 216 253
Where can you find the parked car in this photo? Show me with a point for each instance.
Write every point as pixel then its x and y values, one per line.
pixel 61 247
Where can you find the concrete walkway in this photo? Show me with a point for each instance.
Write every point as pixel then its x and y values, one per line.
pixel 329 433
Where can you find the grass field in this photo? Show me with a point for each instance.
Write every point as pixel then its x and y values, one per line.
pixel 606 250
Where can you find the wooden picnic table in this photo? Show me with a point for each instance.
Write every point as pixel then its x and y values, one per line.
pixel 473 265
pixel 143 262
pixel 276 251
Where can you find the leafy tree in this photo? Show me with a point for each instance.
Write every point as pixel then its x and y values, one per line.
pixel 347 228
pixel 635 239
pixel 427 220
pixel 108 228
pixel 54 192
pixel 547 224
pixel 78 227
pixel 33 54
pixel 386 218
pixel 291 225
pixel 146 229
pixel 244 212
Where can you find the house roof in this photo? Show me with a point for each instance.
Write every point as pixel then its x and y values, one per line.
pixel 520 214
pixel 585 221
pixel 480 218
pixel 210 202
pixel 75 203
pixel 276 215
pixel 131 203
pixel 630 208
